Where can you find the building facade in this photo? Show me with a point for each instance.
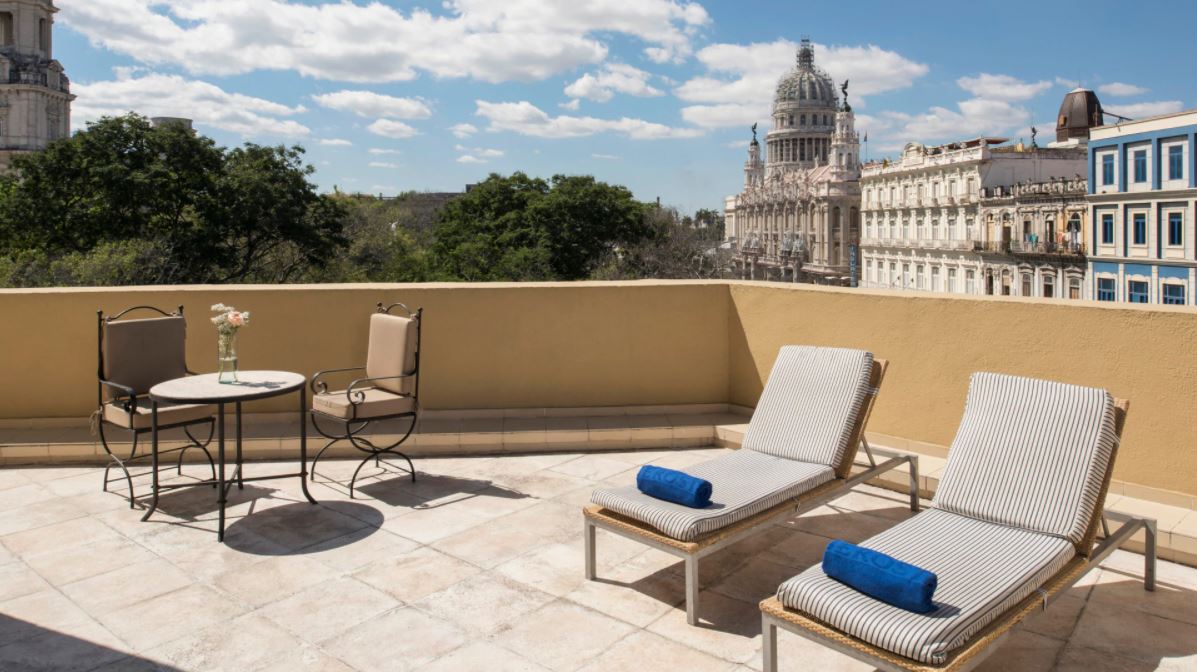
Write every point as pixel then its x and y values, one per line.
pixel 1035 233
pixel 923 222
pixel 1142 201
pixel 35 94
pixel 798 217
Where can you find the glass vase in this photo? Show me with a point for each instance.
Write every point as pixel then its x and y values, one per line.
pixel 226 358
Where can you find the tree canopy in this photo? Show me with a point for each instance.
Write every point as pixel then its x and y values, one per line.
pixel 124 202
pixel 167 206
pixel 524 228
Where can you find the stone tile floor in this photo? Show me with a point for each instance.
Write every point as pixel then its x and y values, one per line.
pixel 477 566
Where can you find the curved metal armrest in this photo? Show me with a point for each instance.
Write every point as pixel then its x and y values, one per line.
pixel 321 387
pixel 126 391
pixel 356 396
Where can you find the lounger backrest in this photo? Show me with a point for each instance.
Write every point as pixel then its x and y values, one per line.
pixel 144 352
pixel 1031 454
pixel 811 404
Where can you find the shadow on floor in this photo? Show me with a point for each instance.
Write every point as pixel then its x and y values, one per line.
pixel 429 491
pixel 302 528
pixel 32 648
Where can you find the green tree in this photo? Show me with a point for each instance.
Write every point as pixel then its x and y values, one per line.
pixel 167 199
pixel 523 228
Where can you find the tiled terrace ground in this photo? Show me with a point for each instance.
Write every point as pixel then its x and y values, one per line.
pixel 478 566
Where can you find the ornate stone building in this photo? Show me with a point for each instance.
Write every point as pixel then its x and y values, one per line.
pixel 1036 232
pixel 798 217
pixel 35 95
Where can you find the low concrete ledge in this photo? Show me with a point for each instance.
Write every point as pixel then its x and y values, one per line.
pixel 441 432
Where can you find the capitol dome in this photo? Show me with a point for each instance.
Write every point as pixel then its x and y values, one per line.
pixel 806 85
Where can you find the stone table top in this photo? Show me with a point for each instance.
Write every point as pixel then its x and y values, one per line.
pixel 207 388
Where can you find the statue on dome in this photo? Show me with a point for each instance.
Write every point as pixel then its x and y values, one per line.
pixel 844 89
pixel 754 134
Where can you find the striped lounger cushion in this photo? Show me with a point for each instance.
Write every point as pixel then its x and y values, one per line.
pixel 1023 477
pixel 810 404
pixel 744 483
pixel 1031 454
pixel 800 430
pixel 983 569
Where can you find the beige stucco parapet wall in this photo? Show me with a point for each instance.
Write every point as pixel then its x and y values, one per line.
pixel 552 345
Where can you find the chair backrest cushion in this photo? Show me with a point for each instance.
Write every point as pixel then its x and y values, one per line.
pixel 392 352
pixel 1031 454
pixel 811 404
pixel 144 352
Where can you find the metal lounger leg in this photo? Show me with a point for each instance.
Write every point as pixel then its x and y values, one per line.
pixel 588 534
pixel 914 483
pixel 692 589
pixel 768 644
pixel 1149 542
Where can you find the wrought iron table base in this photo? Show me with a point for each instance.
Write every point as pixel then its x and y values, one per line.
pixel 222 485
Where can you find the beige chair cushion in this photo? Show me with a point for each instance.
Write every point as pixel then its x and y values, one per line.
pixel 377 404
pixel 392 352
pixel 168 414
pixel 142 353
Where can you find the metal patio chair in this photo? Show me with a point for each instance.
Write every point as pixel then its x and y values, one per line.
pixel 134 355
pixel 389 390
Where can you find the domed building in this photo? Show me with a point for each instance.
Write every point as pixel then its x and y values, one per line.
pixel 35 93
pixel 798 217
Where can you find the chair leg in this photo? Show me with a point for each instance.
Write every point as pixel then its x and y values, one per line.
pixel 692 589
pixel 353 480
pixel 588 534
pixel 768 644
pixel 312 473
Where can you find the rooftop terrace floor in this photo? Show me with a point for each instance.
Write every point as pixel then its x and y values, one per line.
pixel 478 565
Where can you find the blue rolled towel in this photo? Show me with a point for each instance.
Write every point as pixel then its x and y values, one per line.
pixel 674 486
pixel 880 576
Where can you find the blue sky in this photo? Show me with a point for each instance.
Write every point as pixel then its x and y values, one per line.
pixel 658 95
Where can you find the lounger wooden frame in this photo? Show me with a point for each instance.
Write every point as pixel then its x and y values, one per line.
pixel 597 517
pixel 774 615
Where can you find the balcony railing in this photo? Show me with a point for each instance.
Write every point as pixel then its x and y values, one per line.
pixel 1043 247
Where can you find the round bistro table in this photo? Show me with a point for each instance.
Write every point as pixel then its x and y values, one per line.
pixel 207 389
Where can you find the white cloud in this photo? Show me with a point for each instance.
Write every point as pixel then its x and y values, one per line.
pixel 1002 87
pixel 972 118
pixel 477 154
pixel 389 128
pixel 382 164
pixel 525 118
pixel 605 157
pixel 382 152
pixel 741 80
pixel 374 42
pixel 370 104
pixel 573 105
pixel 463 130
pixel 1121 90
pixel 726 114
pixel 153 94
pixel 335 142
pixel 611 79
pixel 1143 110
pixel 1067 83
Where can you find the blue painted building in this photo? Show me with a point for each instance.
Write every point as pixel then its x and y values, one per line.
pixel 1143 211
